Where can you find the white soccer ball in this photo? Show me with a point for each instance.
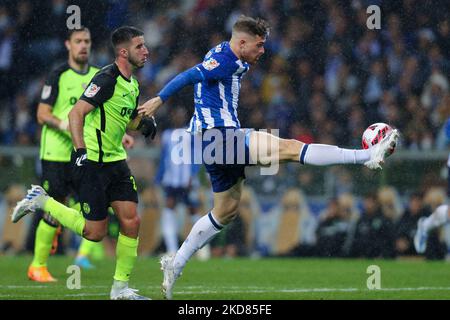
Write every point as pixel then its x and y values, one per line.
pixel 374 134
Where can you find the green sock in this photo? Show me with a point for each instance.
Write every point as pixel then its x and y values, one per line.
pixel 68 217
pixel 126 254
pixel 43 243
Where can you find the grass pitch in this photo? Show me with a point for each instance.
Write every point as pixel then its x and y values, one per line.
pixel 239 279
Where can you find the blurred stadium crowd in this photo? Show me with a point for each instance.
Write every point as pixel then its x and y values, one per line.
pixel 324 77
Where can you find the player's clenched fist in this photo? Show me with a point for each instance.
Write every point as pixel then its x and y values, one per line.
pixel 79 158
pixel 148 127
pixel 79 161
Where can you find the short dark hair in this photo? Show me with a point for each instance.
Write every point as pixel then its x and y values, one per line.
pixel 256 27
pixel 124 34
pixel 70 32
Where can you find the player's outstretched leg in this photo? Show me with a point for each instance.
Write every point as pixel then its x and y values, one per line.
pixel 425 224
pixel 37 198
pixel 268 149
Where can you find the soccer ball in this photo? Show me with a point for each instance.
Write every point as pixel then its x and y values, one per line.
pixel 374 134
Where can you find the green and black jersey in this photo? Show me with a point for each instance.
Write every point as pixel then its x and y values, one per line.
pixel 115 98
pixel 61 91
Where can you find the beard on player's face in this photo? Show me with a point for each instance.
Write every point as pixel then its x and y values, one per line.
pixel 251 57
pixel 135 62
pixel 251 53
pixel 82 59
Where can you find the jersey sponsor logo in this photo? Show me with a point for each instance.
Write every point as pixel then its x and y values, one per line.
pixel 92 90
pixel 210 64
pixel 126 111
pixel 46 91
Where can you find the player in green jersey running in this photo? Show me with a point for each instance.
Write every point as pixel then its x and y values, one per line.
pixel 62 88
pixel 97 124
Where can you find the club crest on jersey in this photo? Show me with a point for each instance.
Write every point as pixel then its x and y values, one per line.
pixel 92 90
pixel 46 91
pixel 210 64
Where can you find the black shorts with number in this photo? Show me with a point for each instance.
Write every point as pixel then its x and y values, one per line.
pixel 57 178
pixel 99 184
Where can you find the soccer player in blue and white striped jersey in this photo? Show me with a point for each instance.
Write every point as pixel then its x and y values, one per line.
pixel 217 83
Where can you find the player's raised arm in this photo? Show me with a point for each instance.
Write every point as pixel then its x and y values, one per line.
pixel 213 68
pixel 188 77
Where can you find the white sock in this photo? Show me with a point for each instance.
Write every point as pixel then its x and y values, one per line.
pixel 438 218
pixel 169 229
pixel 202 232
pixel 324 154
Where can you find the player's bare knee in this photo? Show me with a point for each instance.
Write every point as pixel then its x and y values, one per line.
pixel 290 148
pixel 94 235
pixel 131 223
pixel 227 213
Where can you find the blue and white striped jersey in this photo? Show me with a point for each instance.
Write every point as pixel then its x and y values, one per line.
pixel 216 97
pixel 171 172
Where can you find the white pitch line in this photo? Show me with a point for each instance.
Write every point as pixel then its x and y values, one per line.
pixel 202 290
pixel 311 290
